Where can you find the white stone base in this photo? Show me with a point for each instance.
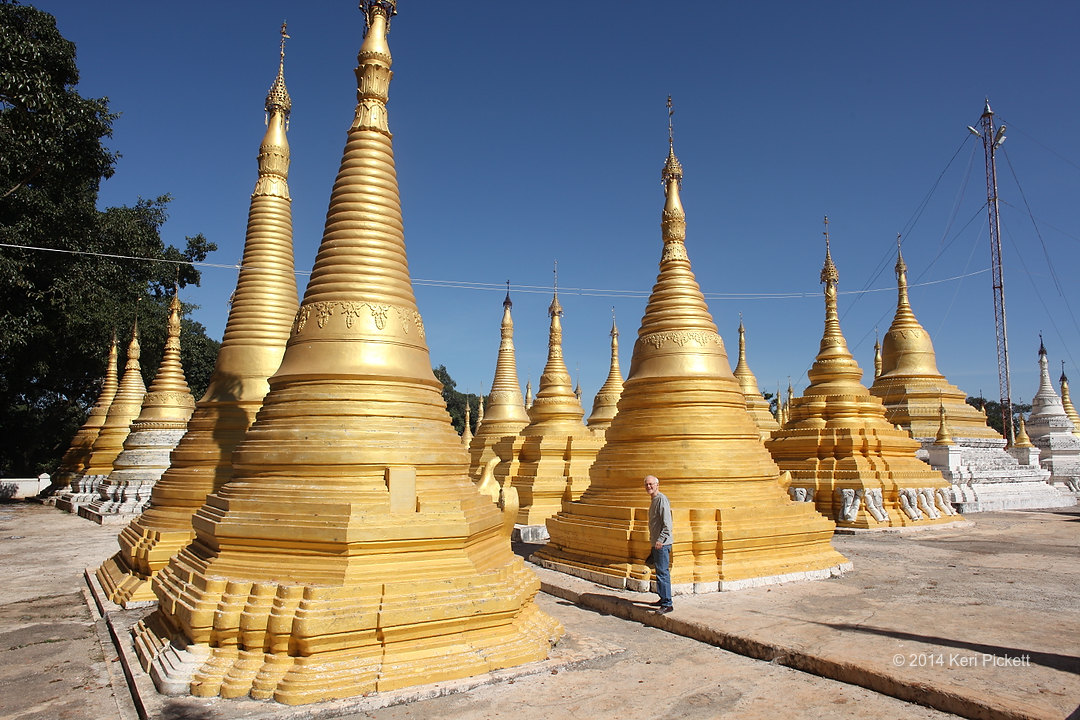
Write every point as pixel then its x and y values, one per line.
pixel 989 497
pixel 530 534
pixel 649 586
pixel 955 525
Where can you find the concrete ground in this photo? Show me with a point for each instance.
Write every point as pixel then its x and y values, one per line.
pixel 924 617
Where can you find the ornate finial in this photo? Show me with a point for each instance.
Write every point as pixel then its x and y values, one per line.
pixel 555 309
pixel 901 266
pixel 387 8
pixel 615 331
pixel 278 97
pixel 672 167
pixel 506 303
pixel 1063 378
pixel 828 272
pixel 1042 348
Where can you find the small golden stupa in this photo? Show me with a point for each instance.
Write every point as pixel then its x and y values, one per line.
pixel 877 356
pixel 261 313
pixel 682 417
pixel 349 553
pixel 756 404
pixel 466 434
pixel 909 383
pixel 163 420
pixel 606 402
pixel 505 415
pixel 553 453
pixel 842 453
pixel 123 409
pixel 528 395
pixel 1066 401
pixel 78 454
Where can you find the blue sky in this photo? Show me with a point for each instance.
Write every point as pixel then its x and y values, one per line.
pixel 527 133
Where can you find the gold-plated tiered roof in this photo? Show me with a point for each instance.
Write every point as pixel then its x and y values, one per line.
pixel 553 453
pixel 606 402
pixel 263 307
pixel 842 453
pixel 349 553
pixel 910 385
pixel 682 417
pixel 161 423
pixel 756 404
pixel 78 454
pixel 124 408
pixel 505 414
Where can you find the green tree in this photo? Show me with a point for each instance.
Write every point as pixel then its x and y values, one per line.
pixel 455 401
pixel 993 411
pixel 60 296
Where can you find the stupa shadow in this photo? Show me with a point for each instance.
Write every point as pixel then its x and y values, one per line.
pixel 1065 663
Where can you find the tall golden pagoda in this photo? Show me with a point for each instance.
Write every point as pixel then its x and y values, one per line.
pixel 842 453
pixel 123 409
pixel 553 453
pixel 163 420
pixel 756 404
pixel 349 553
pixel 78 454
pixel 263 307
pixel 1066 401
pixel 910 385
pixel 606 402
pixel 682 417
pixel 505 415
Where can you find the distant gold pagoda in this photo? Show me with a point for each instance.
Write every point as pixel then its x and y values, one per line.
pixel 606 402
pixel 553 453
pixel 505 415
pixel 910 385
pixel 162 421
pixel 1066 401
pixel 682 417
pixel 123 409
pixel 756 404
pixel 843 455
pixel 349 553
pixel 82 445
pixel 262 310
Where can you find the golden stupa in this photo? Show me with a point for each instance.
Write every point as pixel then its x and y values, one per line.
pixel 261 313
pixel 505 415
pixel 466 434
pixel 682 417
pixel 349 553
pixel 842 453
pixel 553 453
pixel 1066 401
pixel 756 404
pixel 528 395
pixel 909 383
pixel 78 454
pixel 109 443
pixel 877 356
pixel 166 408
pixel 606 402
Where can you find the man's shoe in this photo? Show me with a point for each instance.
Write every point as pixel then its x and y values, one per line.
pixel 664 609
pixel 657 603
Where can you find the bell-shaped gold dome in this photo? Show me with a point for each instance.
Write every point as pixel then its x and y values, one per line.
pixel 261 313
pixel 682 417
pixel 349 553
pixel 841 451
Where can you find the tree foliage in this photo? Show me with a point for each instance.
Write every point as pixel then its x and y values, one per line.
pixel 62 288
pixel 455 401
pixel 993 411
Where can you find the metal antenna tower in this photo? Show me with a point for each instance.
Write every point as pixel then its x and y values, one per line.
pixel 992 140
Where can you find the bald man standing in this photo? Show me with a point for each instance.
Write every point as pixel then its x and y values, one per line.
pixel 660 537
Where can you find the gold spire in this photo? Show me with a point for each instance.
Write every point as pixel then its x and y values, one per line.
pixel 480 410
pixel 466 434
pixel 679 400
pixel 328 567
pixel 277 99
pixel 123 409
pixel 756 404
pixel 528 395
pixel 1066 401
pixel 555 404
pixel 877 356
pixel 910 384
pixel 944 434
pixel 1022 439
pixel 261 313
pixel 82 444
pixel 161 423
pixel 839 448
pixel 605 404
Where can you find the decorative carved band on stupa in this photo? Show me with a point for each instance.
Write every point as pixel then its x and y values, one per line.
pixel 315 316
